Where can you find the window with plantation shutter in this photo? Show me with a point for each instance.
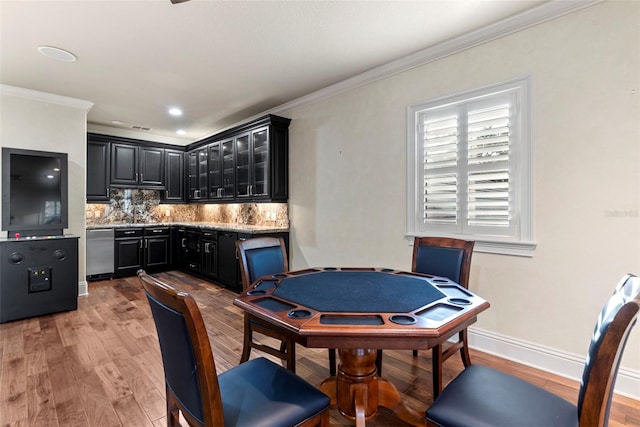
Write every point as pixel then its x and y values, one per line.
pixel 470 168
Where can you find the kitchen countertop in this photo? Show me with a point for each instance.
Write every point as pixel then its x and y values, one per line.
pixel 239 228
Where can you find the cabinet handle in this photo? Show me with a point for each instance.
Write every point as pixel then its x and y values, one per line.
pixel 184 242
pixel 140 244
pixel 141 177
pixel 136 176
pixel 146 243
pixel 129 232
pixel 206 247
pixel 108 192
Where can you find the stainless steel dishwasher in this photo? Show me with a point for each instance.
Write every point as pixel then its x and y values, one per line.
pixel 100 246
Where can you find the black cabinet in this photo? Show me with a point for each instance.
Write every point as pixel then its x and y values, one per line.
pixel 137 248
pixel 198 174
pixel 190 256
pixel 157 248
pixel 137 166
pixel 222 174
pixel 209 248
pixel 228 266
pixel 98 164
pixel 173 177
pixel 128 252
pixel 38 276
pixel 247 163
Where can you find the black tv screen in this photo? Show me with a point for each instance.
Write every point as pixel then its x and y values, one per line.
pixel 34 190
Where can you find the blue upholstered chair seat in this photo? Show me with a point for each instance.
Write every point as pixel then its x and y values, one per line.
pixel 482 396
pixel 253 395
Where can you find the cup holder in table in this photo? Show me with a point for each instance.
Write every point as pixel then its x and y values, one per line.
pixel 279 276
pixel 402 319
pixel 440 280
pixel 299 314
pixel 387 270
pixel 459 301
pixel 330 269
pixel 256 292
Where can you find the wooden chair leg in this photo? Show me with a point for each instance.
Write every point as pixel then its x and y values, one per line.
pixel 436 356
pixel 379 362
pixel 332 362
pixel 173 413
pixel 248 337
pixel 464 350
pixel 290 354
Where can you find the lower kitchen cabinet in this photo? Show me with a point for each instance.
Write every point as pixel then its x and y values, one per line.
pixel 156 248
pixel 206 253
pixel 137 248
pixel 228 265
pixel 128 253
pixel 209 246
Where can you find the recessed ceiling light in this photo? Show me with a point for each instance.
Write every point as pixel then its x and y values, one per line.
pixel 117 122
pixel 181 132
pixel 175 111
pixel 57 53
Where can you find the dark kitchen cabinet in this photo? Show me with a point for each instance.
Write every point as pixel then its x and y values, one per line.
pixel 174 177
pixel 209 248
pixel 128 251
pixel 98 164
pixel 137 166
pixel 137 248
pixel 246 163
pixel 198 174
pixel 222 176
pixel 190 256
pixel 228 266
pixel 156 248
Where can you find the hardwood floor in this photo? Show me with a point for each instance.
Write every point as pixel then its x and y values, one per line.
pixel 101 365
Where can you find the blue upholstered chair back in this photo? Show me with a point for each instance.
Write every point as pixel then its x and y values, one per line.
pixel 439 261
pixel 613 326
pixel 180 368
pixel 263 261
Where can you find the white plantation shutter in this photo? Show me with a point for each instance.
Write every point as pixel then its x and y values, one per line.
pixel 470 164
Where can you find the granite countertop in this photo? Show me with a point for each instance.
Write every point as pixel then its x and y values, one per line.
pixel 240 228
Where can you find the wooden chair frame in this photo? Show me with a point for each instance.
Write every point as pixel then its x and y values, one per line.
pixel 213 414
pixel 287 350
pixel 442 352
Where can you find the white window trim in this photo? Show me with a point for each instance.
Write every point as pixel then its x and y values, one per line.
pixel 522 243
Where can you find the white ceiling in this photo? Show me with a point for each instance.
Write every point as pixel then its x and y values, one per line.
pixel 220 61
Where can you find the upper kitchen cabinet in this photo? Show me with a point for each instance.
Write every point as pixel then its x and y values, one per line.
pixel 247 163
pixel 197 164
pixel 173 177
pixel 222 172
pixel 137 166
pixel 97 170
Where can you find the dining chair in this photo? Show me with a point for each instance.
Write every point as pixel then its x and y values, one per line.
pixel 450 258
pixel 256 393
pixel 483 396
pixel 258 257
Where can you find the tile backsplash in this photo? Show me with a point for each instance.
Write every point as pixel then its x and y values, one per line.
pixel 131 206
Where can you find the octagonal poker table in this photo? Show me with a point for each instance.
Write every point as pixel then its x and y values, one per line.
pixel 357 311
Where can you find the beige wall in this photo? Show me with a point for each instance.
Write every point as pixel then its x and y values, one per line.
pixel 36 121
pixel 348 174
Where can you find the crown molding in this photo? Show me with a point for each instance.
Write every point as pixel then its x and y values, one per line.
pixel 50 98
pixel 537 15
pixel 127 133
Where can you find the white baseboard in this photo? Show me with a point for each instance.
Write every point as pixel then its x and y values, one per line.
pixel 83 288
pixel 548 359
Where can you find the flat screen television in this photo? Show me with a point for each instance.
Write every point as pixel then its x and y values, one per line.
pixel 34 192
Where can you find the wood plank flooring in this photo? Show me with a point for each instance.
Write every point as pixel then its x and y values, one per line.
pixel 100 366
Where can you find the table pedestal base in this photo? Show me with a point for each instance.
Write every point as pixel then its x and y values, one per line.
pixel 358 391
